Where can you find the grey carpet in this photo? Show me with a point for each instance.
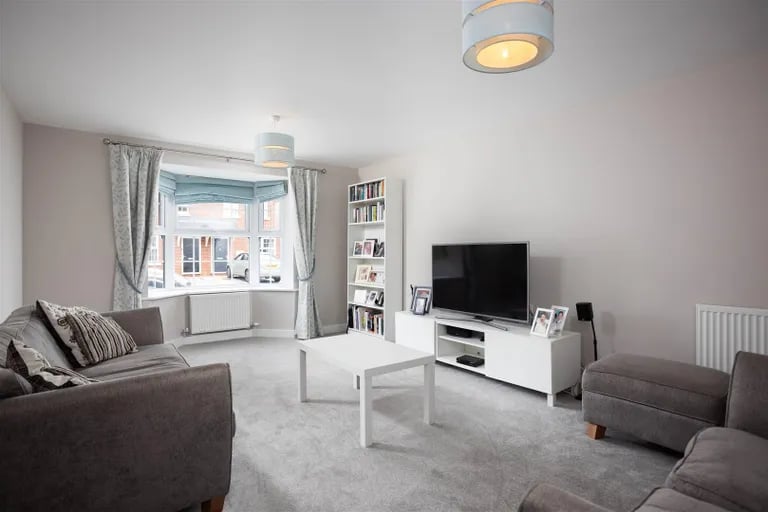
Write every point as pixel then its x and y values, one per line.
pixel 492 441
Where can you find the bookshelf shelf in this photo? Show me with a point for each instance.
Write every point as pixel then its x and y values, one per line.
pixel 375 212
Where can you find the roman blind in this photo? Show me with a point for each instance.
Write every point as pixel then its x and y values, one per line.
pixel 199 189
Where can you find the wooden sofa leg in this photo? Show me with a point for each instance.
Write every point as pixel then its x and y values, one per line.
pixel 215 504
pixel 595 431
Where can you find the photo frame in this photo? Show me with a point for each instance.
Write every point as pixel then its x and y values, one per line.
pixel 420 306
pixel 542 322
pixel 371 297
pixel 559 316
pixel 376 275
pixel 380 299
pixel 422 292
pixel 378 251
pixel 368 246
pixel 357 250
pixel 361 273
pixel 359 296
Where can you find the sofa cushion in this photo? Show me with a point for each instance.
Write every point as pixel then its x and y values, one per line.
pixel 12 384
pixel 55 316
pixel 726 467
pixel 32 365
pixel 28 326
pixel 99 337
pixel 148 359
pixel 678 388
pixel 669 500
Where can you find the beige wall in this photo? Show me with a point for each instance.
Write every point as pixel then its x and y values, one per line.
pixel 645 203
pixel 10 207
pixel 69 245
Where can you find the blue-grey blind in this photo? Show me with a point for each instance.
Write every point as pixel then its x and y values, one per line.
pixel 199 189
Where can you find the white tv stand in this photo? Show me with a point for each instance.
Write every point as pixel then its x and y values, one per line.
pixel 547 365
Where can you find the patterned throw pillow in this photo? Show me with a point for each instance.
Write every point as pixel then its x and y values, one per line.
pixel 57 317
pixel 99 338
pixel 32 365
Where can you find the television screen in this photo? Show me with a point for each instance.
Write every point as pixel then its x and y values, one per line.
pixel 487 280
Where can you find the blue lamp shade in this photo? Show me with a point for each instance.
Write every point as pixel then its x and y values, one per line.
pixel 501 36
pixel 274 150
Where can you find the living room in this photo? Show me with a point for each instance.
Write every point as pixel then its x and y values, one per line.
pixel 627 157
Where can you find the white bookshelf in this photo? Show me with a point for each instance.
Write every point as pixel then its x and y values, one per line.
pixel 387 228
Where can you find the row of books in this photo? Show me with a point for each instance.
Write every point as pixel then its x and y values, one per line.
pixel 368 320
pixel 368 213
pixel 367 191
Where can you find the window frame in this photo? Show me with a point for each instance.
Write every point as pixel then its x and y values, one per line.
pixel 253 231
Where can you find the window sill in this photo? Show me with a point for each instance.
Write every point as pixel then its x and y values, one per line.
pixel 180 292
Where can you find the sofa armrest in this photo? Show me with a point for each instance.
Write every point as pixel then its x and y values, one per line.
pixel 156 442
pixel 747 407
pixel 548 498
pixel 145 325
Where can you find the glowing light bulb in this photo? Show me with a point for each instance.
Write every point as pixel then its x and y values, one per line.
pixel 506 54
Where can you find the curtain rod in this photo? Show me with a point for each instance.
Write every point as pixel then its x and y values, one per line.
pixel 108 142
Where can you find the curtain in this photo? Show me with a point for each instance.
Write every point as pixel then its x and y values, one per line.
pixel 135 173
pixel 304 185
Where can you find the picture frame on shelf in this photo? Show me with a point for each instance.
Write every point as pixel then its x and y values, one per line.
pixel 359 296
pixel 422 292
pixel 376 275
pixel 542 322
pixel 420 306
pixel 380 298
pixel 361 273
pixel 368 246
pixel 370 299
pixel 357 250
pixel 559 315
pixel 378 250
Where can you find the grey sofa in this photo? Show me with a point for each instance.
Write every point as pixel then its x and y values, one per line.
pixel 154 434
pixel 722 469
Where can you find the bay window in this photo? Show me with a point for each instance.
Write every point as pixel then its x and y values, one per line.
pixel 221 233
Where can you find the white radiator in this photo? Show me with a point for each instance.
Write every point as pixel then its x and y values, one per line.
pixel 721 331
pixel 215 312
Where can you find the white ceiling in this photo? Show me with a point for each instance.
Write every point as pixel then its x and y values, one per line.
pixel 355 81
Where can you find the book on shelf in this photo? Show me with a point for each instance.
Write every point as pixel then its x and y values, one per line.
pixel 368 320
pixel 368 213
pixel 366 191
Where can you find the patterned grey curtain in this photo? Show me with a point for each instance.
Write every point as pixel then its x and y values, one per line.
pixel 135 174
pixel 304 185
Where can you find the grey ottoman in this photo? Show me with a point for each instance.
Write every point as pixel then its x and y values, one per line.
pixel 660 401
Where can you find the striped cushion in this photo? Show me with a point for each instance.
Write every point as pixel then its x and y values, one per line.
pixel 35 368
pixel 99 337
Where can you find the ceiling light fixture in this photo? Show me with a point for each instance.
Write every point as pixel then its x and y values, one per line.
pixel 501 36
pixel 274 149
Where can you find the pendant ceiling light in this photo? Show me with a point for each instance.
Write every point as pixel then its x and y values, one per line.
pixel 274 149
pixel 501 36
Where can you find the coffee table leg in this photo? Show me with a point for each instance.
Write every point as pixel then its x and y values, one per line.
pixel 302 376
pixel 429 393
pixel 366 409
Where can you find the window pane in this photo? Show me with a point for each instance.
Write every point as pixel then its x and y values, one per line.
pixel 270 215
pixel 269 259
pixel 212 217
pixel 211 261
pixel 160 210
pixel 156 273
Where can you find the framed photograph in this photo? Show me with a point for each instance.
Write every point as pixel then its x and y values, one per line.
pixel 422 292
pixel 358 249
pixel 361 273
pixel 370 300
pixel 378 251
pixel 376 276
pixel 420 306
pixel 380 298
pixel 542 322
pixel 368 246
pixel 559 314
pixel 360 296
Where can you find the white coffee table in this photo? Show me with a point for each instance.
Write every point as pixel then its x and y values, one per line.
pixel 366 356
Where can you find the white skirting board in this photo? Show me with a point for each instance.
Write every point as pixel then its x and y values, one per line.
pixel 256 332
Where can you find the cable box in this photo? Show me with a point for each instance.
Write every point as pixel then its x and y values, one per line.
pixel 470 361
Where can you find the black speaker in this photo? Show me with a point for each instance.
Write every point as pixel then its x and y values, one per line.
pixel 584 311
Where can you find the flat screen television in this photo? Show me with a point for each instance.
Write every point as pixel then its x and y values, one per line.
pixel 488 280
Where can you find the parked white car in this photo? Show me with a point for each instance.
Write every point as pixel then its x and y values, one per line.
pixel 238 267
